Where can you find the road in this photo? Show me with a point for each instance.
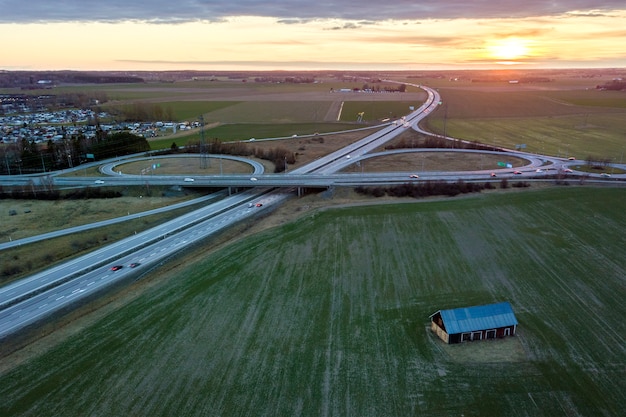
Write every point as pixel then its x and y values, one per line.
pixel 25 302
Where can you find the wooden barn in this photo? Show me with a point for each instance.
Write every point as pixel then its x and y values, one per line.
pixel 465 324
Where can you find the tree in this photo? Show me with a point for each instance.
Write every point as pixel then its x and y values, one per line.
pixel 122 143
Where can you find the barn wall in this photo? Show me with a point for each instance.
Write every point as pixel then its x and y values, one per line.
pixel 458 337
pixel 439 331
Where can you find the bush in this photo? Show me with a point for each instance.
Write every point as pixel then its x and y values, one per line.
pixel 422 189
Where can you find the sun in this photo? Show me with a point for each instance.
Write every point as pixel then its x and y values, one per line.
pixel 509 48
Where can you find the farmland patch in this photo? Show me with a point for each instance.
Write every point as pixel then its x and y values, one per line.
pixel 328 316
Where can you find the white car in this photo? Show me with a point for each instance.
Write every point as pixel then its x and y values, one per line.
pixel 252 179
pixel 98 182
pixel 188 179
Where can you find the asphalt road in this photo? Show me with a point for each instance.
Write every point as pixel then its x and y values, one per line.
pixel 27 301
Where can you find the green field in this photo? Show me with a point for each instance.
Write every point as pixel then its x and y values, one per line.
pixel 581 123
pixel 328 316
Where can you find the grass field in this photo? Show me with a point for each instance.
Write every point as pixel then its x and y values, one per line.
pixel 328 316
pixel 581 122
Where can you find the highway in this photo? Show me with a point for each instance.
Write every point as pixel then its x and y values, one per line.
pixel 25 302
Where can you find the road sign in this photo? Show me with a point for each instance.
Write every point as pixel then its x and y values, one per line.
pixel 501 164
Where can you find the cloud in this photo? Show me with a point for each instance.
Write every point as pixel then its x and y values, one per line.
pixel 164 11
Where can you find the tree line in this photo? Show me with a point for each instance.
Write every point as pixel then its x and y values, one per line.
pixel 433 188
pixel 27 156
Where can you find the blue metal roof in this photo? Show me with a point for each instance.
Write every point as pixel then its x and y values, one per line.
pixel 467 319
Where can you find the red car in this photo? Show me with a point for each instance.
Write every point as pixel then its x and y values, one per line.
pixel 117 267
pixel 517 172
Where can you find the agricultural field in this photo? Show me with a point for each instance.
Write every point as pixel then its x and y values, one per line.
pixel 567 116
pixel 583 123
pixel 328 315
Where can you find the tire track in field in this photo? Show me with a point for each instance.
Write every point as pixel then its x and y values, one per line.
pixel 334 111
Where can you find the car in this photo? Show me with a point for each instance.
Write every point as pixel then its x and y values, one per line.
pixel 347 156
pixel 567 170
pixel 571 158
pixel 252 179
pixel 98 182
pixel 493 174
pixel 116 267
pixel 414 176
pixel 605 175
pixel 517 172
pixel 258 205
pixel 134 264
pixel 539 170
pixel 188 179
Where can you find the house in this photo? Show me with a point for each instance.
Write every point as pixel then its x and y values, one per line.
pixel 465 324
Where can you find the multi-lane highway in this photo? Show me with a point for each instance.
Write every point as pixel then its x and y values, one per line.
pixel 27 301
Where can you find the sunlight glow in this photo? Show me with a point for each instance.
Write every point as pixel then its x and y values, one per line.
pixel 509 49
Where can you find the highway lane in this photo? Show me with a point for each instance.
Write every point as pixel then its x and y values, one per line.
pixel 76 229
pixel 42 304
pixel 17 291
pixel 109 168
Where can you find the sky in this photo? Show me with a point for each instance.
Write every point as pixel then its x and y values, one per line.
pixel 154 35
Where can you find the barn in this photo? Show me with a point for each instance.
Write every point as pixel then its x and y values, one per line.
pixel 465 324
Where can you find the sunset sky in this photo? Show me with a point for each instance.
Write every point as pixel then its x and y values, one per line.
pixel 310 35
